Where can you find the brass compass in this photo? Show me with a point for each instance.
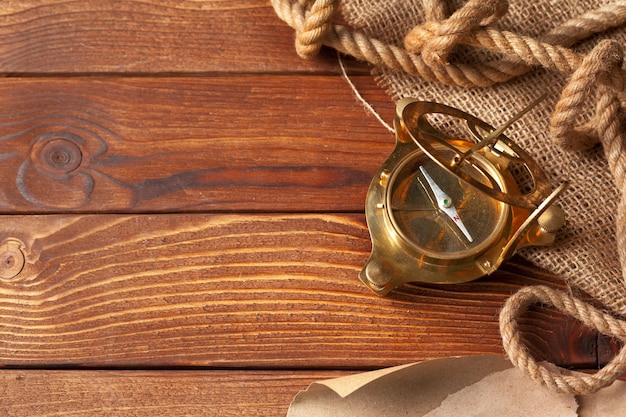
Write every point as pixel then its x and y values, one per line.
pixel 451 207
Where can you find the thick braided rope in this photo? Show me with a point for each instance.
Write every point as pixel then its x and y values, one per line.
pixel 435 40
pixel 519 303
pixel 362 47
pixel 446 34
pixel 609 116
pixel 312 23
pixel 317 22
pixel 587 24
pixel 603 60
pixel 430 45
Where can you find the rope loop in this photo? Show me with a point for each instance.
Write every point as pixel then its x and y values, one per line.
pixel 435 40
pixel 559 380
pixel 601 66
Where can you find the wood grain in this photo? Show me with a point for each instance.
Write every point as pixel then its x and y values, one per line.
pixel 156 36
pixel 183 198
pixel 152 393
pixel 230 290
pixel 608 348
pixel 283 143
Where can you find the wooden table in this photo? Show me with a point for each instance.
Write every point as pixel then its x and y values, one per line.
pixel 182 219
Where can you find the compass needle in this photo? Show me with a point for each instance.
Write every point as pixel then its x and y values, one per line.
pixel 445 204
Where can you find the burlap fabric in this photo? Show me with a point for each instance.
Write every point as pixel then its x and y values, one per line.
pixel 586 251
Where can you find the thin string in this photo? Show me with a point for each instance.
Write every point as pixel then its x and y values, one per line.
pixel 358 95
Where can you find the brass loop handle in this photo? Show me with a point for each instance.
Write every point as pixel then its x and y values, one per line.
pixel 412 115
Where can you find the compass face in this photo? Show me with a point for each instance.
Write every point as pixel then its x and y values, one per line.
pixel 440 215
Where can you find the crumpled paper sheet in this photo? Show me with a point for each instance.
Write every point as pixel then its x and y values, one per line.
pixel 469 386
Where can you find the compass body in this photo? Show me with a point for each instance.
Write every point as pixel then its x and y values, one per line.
pixel 448 209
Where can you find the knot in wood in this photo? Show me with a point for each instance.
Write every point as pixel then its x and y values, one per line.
pixel 58 155
pixel 12 259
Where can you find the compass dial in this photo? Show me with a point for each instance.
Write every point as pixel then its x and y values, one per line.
pixel 440 214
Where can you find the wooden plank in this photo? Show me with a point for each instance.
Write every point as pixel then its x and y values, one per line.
pixel 261 291
pixel 152 393
pixel 576 345
pixel 608 348
pixel 149 36
pixel 283 143
pixel 188 144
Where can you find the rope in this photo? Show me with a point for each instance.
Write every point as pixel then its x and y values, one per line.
pixel 603 61
pixel 560 381
pixel 314 29
pixel 376 52
pixel 424 54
